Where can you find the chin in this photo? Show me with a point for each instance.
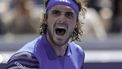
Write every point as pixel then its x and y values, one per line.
pixel 61 42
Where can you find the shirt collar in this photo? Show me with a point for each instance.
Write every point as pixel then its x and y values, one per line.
pixel 49 50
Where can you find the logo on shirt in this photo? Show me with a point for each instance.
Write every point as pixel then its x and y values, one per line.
pixel 20 66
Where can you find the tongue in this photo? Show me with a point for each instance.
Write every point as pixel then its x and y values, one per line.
pixel 60 31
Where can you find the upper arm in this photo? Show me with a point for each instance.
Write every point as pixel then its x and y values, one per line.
pixel 22 60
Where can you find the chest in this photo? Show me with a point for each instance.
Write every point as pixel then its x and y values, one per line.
pixel 59 63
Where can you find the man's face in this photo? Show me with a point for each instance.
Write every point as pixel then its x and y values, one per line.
pixel 61 22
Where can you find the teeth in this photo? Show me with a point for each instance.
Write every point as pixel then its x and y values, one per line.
pixel 61 27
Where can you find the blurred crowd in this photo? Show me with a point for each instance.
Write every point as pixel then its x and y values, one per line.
pixel 20 16
pixel 103 17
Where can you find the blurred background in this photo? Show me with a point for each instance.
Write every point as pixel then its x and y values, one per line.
pixel 102 28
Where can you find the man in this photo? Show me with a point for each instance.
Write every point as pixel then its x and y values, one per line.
pixel 55 48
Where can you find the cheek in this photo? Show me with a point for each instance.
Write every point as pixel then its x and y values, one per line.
pixel 50 24
pixel 72 24
pixel 50 21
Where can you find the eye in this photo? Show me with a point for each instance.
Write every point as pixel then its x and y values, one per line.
pixel 56 12
pixel 69 14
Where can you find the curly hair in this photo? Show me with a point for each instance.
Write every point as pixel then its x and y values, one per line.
pixel 77 33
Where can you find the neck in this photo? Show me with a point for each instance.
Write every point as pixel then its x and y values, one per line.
pixel 59 50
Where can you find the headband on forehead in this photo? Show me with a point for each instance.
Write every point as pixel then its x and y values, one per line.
pixel 70 3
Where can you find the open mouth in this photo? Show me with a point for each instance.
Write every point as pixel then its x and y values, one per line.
pixel 60 31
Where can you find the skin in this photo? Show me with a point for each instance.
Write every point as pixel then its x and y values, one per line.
pixel 60 42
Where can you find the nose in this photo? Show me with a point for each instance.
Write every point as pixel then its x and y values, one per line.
pixel 61 19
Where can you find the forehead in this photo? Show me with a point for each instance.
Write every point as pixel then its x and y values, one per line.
pixel 62 7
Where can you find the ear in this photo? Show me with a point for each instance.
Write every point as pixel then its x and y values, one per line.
pixel 45 16
pixel 76 25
